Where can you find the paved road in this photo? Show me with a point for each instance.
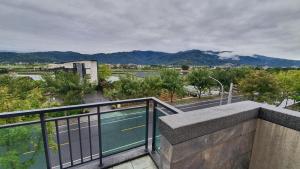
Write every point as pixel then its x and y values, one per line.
pixel 206 104
pixel 120 131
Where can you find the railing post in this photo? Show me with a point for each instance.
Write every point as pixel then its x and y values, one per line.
pixel 154 125
pixel 70 141
pixel 147 125
pixel 58 144
pixel 45 140
pixel 100 135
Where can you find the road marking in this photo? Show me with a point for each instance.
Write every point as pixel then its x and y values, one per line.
pixel 64 143
pixel 74 161
pixel 121 120
pixel 200 105
pixel 214 101
pixel 133 128
pixel 121 115
pixel 64 131
pixel 123 146
pixel 29 152
pixel 72 124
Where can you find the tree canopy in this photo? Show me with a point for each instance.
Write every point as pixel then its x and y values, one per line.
pixel 172 82
pixel 20 93
pixel 67 86
pixel 289 83
pixel 260 86
pixel 151 86
pixel 104 71
pixel 200 79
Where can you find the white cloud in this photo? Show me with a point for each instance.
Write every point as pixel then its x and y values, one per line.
pixel 230 55
pixel 268 27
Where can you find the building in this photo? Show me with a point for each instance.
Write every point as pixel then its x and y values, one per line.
pixel 83 68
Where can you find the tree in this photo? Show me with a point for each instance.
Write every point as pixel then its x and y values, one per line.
pixel 68 86
pixel 128 87
pixel 285 81
pixel 296 95
pixel 171 82
pixel 227 76
pixel 296 84
pixel 260 86
pixel 131 87
pixel 21 94
pixel 3 71
pixel 151 86
pixel 19 86
pixel 239 73
pixel 224 76
pixel 185 67
pixel 200 79
pixel 17 141
pixel 104 72
pixel 289 83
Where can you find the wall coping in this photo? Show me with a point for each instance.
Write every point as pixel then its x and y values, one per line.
pixel 181 127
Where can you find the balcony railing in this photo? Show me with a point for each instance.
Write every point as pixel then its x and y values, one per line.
pixel 58 139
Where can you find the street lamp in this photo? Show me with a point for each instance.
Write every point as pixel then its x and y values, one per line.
pixel 222 88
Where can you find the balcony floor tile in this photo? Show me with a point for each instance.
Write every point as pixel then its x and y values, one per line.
pixel 140 163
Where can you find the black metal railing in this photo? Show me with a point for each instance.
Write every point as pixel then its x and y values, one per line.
pixel 71 140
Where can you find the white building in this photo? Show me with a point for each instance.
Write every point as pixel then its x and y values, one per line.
pixel 83 68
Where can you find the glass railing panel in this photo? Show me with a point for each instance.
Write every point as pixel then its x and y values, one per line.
pixel 22 147
pixel 159 113
pixel 123 130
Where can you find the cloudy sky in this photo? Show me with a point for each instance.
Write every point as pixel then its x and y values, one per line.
pixel 268 27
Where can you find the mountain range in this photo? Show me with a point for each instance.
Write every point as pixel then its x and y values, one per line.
pixel 189 57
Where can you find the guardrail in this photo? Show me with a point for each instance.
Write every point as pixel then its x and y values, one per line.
pixel 82 138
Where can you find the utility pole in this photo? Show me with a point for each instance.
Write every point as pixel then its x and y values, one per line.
pixel 230 94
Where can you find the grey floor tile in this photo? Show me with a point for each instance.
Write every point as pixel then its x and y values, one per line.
pixel 143 163
pixel 127 165
pixel 152 167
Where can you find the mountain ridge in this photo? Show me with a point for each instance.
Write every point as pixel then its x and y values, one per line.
pixel 190 57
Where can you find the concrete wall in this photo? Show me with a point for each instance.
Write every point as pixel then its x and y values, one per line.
pixel 92 71
pixel 275 147
pixel 229 148
pixel 235 136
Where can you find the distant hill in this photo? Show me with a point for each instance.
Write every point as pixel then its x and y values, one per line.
pixel 190 57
